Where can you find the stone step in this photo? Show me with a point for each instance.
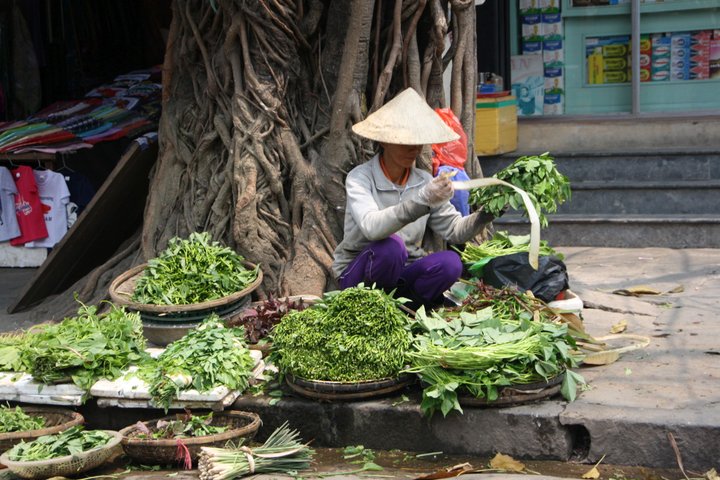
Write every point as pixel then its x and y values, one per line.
pixel 629 167
pixel 628 231
pixel 689 197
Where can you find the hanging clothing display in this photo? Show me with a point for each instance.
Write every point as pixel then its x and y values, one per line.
pixel 54 196
pixel 9 227
pixel 28 207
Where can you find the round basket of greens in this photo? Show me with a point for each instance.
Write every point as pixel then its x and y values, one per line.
pixel 351 344
pixel 155 442
pixel 24 424
pixel 190 279
pixel 67 453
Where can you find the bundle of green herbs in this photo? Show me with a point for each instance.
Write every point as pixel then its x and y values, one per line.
pixel 209 356
pixel 84 349
pixel 502 243
pixel 16 420
pixel 535 174
pixel 193 270
pixel 356 334
pixel 486 345
pixel 70 442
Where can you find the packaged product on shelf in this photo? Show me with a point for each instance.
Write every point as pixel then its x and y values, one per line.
pixel 645 58
pixel 552 51
pixel 552 26
pixel 714 56
pixel 529 6
pixel 700 54
pixel 679 56
pixel 660 58
pixel 532 28
pixel 607 60
pixel 554 91
pixel 528 83
pixel 549 6
pixel 530 48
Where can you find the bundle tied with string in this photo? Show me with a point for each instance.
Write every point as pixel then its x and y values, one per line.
pixel 281 453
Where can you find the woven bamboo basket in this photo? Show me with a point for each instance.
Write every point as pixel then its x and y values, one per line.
pixel 65 466
pixel 345 391
pixel 243 425
pixel 121 290
pixel 513 395
pixel 56 420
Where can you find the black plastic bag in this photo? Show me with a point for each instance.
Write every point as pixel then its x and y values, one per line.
pixel 545 283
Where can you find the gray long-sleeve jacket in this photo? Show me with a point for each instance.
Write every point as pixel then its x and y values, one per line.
pixel 376 208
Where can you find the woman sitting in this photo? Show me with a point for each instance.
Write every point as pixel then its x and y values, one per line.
pixel 390 203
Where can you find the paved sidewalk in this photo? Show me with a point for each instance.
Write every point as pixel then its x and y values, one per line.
pixel 670 387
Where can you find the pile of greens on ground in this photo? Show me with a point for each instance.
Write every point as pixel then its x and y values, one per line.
pixel 354 335
pixel 16 420
pixel 70 442
pixel 183 426
pixel 193 270
pixel 84 348
pixel 487 344
pixel 536 175
pixel 209 356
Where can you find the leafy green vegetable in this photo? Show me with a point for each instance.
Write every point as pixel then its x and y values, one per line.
pixel 485 345
pixel 70 442
pixel 356 334
pixel 207 357
pixel 185 425
pixel 192 270
pixel 16 420
pixel 84 348
pixel 536 175
pixel 501 244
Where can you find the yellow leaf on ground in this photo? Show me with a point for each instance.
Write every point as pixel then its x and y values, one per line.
pixel 619 327
pixel 506 462
pixel 712 475
pixel 593 473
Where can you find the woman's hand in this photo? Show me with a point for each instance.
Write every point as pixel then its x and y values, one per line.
pixel 438 191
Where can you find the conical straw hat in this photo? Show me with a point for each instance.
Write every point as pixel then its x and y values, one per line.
pixel 405 120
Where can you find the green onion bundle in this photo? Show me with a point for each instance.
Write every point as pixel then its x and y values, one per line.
pixel 281 453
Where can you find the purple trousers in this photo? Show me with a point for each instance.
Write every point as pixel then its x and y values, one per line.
pixel 383 263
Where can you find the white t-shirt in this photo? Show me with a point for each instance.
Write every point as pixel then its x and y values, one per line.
pixel 54 195
pixel 9 227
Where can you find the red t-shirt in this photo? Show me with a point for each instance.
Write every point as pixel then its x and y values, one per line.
pixel 28 207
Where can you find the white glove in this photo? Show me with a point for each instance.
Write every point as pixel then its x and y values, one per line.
pixel 436 192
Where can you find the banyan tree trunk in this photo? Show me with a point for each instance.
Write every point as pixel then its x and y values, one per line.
pixel 258 100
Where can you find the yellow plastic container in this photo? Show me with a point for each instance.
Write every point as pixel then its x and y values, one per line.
pixel 495 125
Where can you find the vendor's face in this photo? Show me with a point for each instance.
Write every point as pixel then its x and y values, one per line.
pixel 401 155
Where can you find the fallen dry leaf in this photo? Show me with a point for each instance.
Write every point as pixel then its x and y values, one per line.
pixel 712 475
pixel 601 358
pixel 451 472
pixel 593 473
pixel 506 462
pixel 619 327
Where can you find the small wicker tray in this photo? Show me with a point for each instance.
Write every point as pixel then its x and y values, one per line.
pixel 343 391
pixel 56 420
pixel 163 452
pixel 514 395
pixel 121 290
pixel 64 466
